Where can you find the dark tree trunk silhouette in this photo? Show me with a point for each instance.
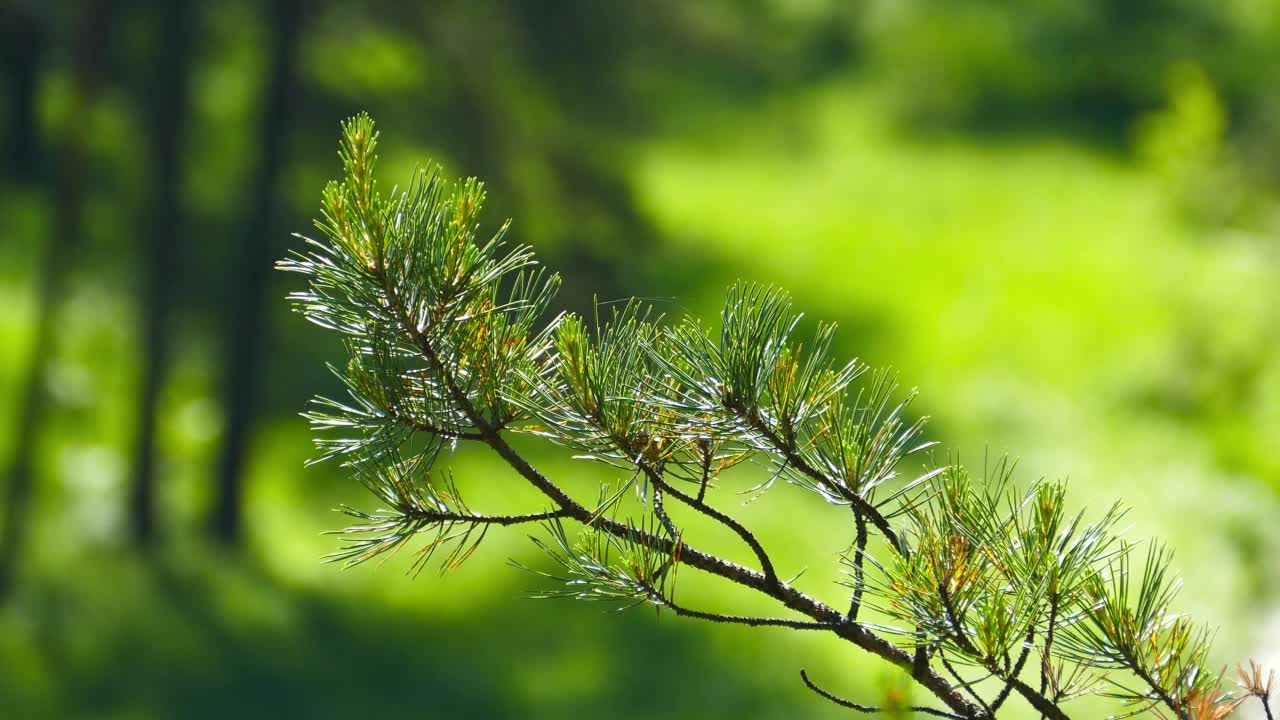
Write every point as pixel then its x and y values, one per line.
pixel 24 40
pixel 245 312
pixel 167 116
pixel 89 38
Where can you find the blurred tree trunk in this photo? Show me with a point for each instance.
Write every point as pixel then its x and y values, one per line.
pixel 166 108
pixel 246 313
pixel 23 40
pixel 89 42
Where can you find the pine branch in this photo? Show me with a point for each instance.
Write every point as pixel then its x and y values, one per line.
pixel 374 266
pixel 662 600
pixel 447 342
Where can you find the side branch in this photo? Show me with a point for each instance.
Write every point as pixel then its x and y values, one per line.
pixel 424 427
pixel 966 685
pixel 859 583
pixel 1164 697
pixel 660 510
pixel 957 628
pixel 870 709
pixel 766 565
pixel 662 600
pixel 432 516
pixel 1017 670
pixel 859 504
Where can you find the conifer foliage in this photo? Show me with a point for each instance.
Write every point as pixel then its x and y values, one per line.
pixel 986 595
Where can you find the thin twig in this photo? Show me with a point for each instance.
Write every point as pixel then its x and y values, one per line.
pixel 1048 645
pixel 859 504
pixel 963 684
pixel 871 709
pixel 766 564
pixel 860 549
pixel 1159 691
pixel 661 513
pixel 1017 669
pixel 434 516
pixel 662 600
pixel 962 640
pixel 705 450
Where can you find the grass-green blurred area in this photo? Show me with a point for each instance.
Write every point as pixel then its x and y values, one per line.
pixel 1057 220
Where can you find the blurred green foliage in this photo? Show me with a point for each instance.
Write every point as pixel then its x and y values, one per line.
pixel 1056 218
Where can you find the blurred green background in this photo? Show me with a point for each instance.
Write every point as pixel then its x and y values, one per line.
pixel 1057 218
